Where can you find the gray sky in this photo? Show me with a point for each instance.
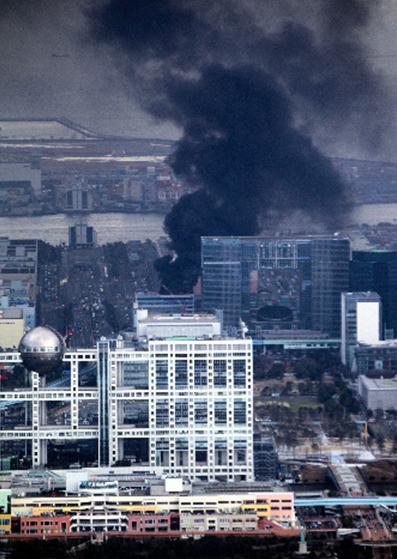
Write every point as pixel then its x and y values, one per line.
pixel 49 69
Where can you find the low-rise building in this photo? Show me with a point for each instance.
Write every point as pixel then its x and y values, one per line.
pixel 156 325
pixel 45 525
pixel 381 356
pixel 12 327
pixel 162 513
pixel 378 393
pixel 160 303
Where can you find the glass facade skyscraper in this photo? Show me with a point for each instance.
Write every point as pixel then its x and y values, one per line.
pixel 293 281
pixel 376 270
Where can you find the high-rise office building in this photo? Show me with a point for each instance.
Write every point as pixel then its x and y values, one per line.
pixel 284 281
pixel 376 270
pixel 181 407
pixel 361 315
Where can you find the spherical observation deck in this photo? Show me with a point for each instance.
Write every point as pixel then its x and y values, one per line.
pixel 42 349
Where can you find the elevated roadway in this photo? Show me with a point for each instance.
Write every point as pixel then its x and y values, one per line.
pixel 346 501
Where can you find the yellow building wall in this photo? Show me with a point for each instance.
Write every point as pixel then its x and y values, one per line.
pixel 11 331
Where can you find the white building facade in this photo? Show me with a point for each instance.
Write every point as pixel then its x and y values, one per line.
pixel 159 325
pixel 361 314
pixel 180 407
pixel 378 393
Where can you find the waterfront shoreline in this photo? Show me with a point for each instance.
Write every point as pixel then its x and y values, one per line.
pixel 124 226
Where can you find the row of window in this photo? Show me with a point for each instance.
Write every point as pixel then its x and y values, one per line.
pixel 201 415
pixel 137 374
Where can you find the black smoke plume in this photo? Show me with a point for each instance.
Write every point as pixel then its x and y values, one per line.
pixel 238 91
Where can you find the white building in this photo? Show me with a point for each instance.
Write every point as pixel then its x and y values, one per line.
pixel 378 393
pixel 157 325
pixel 12 327
pixel 361 314
pixel 182 407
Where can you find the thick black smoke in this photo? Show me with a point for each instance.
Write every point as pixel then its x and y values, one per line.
pixel 237 90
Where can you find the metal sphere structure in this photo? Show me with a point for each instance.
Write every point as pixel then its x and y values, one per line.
pixel 42 349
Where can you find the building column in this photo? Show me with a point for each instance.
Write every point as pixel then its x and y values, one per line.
pixel 120 449
pixel 36 449
pixel 43 452
pixel 103 396
pixel 74 390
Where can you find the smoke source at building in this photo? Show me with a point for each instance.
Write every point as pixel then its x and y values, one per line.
pixel 238 89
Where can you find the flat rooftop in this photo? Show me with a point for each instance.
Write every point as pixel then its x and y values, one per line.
pixel 283 237
pixel 380 383
pixel 382 344
pixel 165 318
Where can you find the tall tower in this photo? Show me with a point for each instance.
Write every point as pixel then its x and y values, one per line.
pixel 303 274
pixel 376 270
pixel 361 322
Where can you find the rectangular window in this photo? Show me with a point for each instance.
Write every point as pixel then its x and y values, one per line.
pixel 161 373
pixel 220 412
pixel 200 412
pixel 220 377
pixel 239 372
pixel 240 451
pixel 135 375
pixel 162 453
pixel 200 372
pixel 220 452
pixel 134 413
pixel 181 412
pixel 162 414
pixel 181 373
pixel 201 452
pixel 240 412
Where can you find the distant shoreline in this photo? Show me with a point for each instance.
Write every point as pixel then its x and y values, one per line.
pixel 124 226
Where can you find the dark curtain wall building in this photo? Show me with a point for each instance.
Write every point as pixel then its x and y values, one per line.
pixel 286 283
pixel 377 271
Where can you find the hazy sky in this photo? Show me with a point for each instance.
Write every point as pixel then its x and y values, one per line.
pixel 49 68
